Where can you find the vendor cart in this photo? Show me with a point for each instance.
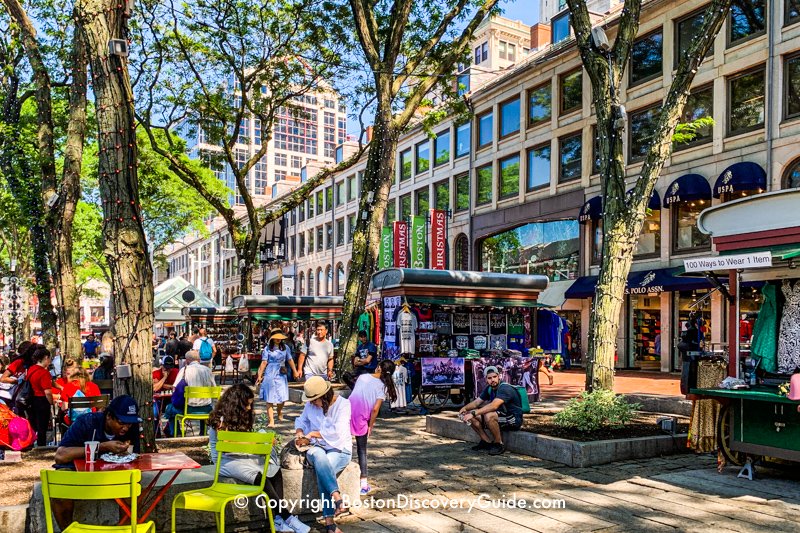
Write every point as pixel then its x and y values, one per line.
pixel 462 322
pixel 758 240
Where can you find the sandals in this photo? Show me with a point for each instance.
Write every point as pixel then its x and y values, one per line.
pixel 341 508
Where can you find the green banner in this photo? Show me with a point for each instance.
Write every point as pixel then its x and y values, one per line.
pixel 386 255
pixel 419 241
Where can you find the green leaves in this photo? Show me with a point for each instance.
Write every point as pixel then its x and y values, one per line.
pixel 596 410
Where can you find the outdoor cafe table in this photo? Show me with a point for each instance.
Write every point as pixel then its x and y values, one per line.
pixel 146 462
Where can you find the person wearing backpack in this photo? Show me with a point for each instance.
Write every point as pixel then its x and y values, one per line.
pixel 498 408
pixel 204 345
pixel 41 394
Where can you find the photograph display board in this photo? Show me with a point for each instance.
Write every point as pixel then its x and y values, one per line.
pixel 442 371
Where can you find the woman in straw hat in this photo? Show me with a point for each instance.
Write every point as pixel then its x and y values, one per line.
pixel 325 425
pixel 272 374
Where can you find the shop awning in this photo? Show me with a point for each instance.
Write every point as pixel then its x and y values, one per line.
pixel 643 282
pixel 687 188
pixel 779 253
pixel 275 307
pixel 553 295
pixel 591 210
pixel 655 200
pixel 422 277
pixel 744 176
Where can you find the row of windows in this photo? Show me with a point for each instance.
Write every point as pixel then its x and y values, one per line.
pixel 323 237
pixel 323 283
pixel 344 191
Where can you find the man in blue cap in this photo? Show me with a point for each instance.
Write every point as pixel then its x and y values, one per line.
pixel 115 429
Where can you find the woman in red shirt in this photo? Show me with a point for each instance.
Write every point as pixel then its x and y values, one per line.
pixel 81 383
pixel 67 373
pixel 42 384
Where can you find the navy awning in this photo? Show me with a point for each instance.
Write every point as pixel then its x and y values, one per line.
pixel 745 176
pixel 655 200
pixel 591 210
pixel 643 282
pixel 687 188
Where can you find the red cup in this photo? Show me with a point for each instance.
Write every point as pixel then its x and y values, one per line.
pixel 90 449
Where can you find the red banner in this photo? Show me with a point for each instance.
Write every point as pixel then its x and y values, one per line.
pixel 401 244
pixel 438 239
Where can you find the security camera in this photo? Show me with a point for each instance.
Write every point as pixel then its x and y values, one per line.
pixel 620 116
pixel 600 39
pixel 52 200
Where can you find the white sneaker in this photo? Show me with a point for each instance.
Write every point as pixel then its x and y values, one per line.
pixel 296 525
pixel 280 525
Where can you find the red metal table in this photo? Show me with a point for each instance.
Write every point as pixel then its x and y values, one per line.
pixel 146 462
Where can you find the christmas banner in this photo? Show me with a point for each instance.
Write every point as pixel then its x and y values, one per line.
pixel 401 244
pixel 419 242
pixel 438 239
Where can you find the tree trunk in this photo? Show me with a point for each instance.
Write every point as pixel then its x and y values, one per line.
pixel 43 288
pixel 246 278
pixel 378 178
pixel 61 219
pixel 123 234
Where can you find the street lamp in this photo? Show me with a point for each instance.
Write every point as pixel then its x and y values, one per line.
pixel 270 251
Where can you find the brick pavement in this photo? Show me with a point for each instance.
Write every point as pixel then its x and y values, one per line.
pixel 570 383
pixel 677 493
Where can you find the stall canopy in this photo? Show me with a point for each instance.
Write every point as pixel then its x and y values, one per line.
pixel 553 295
pixel 273 307
pixel 591 210
pixel 456 287
pixel 209 314
pixel 687 188
pixel 644 282
pixel 745 176
pixel 173 295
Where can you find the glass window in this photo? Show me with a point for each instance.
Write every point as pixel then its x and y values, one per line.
pixel 477 55
pixel 328 198
pixel 311 283
pixel 538 167
pixel 485 129
pixel 351 227
pixel 502 49
pixel 509 117
pixel 649 242
pixel 463 139
pixel 341 282
pixel 571 92
pixel 560 28
pixel 746 19
pixel 595 151
pixel 301 244
pixel 320 202
pixel 640 134
pixel 569 158
pixel 791 95
pixel 441 148
pixel 302 283
pixel 646 58
pixel 791 177
pixel 483 179
pixel 597 240
pixel 746 101
pixel 539 104
pixel 441 195
pixel 311 241
pixel 311 207
pixel 352 188
pixel 320 283
pixel 405 207
pixel 686 235
pixel 512 52
pixel 509 177
pixel 328 236
pixel 462 192
pixel 485 51
pixel 423 201
pixel 462 83
pixel 341 194
pixel 391 211
pixel 423 152
pixel 301 212
pixel 320 238
pixel 461 259
pixel 340 232
pixel 687 29
pixel 546 248
pixel 405 164
pixel 791 11
pixel 700 104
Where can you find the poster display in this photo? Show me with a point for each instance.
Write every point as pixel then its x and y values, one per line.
pixel 479 323
pixel 442 371
pixel 441 322
pixel 519 371
pixel 390 305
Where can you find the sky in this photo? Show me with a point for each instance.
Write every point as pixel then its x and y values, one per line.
pixel 525 10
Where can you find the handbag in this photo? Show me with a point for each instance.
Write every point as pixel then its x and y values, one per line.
pixel 24 396
pixel 293 458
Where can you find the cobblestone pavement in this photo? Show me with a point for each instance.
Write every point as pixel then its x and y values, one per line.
pixel 678 493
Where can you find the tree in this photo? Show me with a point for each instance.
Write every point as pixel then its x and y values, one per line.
pixel 410 48
pixel 124 242
pixel 623 214
pixel 221 65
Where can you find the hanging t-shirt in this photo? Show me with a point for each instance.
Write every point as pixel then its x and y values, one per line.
pixel 497 324
pixel 407 329
pixel 460 323
pixel 367 391
pixel 515 324
pixel 400 378
pixel 364 324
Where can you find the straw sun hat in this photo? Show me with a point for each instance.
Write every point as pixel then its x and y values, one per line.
pixel 315 387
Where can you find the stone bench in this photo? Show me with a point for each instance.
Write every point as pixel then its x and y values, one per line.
pixel 300 486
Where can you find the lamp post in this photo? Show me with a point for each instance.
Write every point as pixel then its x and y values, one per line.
pixel 270 251
pixel 14 286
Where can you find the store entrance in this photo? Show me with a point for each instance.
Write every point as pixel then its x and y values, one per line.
pixel 645 328
pixel 686 303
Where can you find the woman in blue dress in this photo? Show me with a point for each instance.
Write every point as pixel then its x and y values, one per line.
pixel 272 376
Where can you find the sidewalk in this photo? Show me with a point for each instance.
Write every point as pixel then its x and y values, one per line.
pixel 570 383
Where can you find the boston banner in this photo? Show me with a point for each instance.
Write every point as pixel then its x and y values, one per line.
pixel 385 257
pixel 438 239
pixel 419 242
pixel 401 244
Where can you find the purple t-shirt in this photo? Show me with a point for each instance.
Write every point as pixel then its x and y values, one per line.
pixel 366 393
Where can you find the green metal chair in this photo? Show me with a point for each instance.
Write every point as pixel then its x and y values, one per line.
pixel 212 393
pixel 218 495
pixel 116 484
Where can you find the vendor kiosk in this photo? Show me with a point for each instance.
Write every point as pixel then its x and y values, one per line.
pixel 451 324
pixel 221 323
pixel 758 240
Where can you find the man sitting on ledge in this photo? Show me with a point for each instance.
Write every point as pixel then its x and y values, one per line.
pixel 498 408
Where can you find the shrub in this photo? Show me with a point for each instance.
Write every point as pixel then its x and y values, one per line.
pixel 595 410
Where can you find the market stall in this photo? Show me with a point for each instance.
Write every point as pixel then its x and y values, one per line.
pixel 449 325
pixel 756 418
pixel 221 323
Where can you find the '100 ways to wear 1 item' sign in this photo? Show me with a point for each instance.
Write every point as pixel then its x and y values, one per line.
pixel 401 244
pixel 438 239
pixel 385 258
pixel 754 260
pixel 419 241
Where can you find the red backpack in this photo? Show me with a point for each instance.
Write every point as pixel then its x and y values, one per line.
pixel 16 432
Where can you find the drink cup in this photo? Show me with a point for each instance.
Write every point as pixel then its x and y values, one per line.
pixel 91 450
pixel 130 449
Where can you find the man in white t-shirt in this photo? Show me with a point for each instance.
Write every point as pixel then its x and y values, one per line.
pixel 204 345
pixel 318 361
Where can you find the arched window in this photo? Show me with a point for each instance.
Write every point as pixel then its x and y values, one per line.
pixel 461 255
pixel 328 280
pixel 320 282
pixel 340 279
pixel 302 283
pixel 349 266
pixel 311 283
pixel 791 177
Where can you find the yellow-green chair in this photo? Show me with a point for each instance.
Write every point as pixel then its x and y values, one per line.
pixel 218 495
pixel 116 484
pixel 194 393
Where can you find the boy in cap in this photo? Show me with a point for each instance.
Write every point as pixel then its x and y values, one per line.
pixel 498 408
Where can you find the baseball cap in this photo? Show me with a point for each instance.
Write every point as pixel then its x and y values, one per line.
pixel 124 409
pixel 490 370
